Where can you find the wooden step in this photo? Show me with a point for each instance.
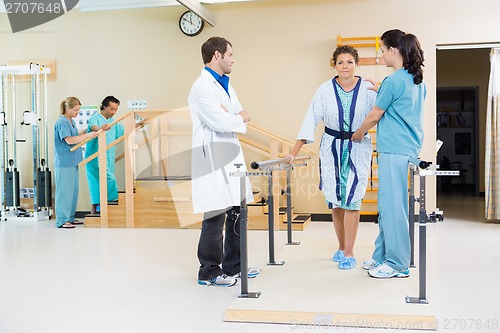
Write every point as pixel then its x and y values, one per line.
pixel 369 208
pixel 158 204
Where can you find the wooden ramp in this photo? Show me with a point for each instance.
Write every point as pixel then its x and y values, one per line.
pixel 309 291
pixel 167 204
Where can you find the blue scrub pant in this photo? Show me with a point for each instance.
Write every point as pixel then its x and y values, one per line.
pixel 392 245
pixel 66 194
pixel 93 180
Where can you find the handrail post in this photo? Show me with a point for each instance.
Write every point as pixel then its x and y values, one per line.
pixel 129 140
pixel 411 214
pixel 273 147
pixel 289 210
pixel 243 218
pixel 103 179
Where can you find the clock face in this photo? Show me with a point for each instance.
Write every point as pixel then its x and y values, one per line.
pixel 191 24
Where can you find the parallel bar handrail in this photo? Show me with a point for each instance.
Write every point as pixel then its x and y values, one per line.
pixel 272 165
pixel 114 143
pixel 99 131
pixel 264 164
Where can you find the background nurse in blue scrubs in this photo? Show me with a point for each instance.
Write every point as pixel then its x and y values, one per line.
pixel 66 162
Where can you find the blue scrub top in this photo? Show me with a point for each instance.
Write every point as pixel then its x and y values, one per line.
pixel 112 134
pixel 400 129
pixel 63 157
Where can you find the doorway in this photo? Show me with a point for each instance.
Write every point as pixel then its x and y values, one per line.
pixel 462 90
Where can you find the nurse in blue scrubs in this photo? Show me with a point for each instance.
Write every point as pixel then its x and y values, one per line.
pixel 66 162
pixel 398 112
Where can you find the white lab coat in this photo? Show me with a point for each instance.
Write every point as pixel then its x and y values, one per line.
pixel 216 147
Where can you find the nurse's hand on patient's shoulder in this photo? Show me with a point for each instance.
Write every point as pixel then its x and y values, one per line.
pixel 375 86
pixel 246 117
pixel 357 136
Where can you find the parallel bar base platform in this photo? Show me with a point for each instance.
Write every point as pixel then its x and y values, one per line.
pixel 310 291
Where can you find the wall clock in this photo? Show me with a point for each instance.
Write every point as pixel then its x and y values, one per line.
pixel 191 24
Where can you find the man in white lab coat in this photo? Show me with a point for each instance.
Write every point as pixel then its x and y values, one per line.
pixel 217 116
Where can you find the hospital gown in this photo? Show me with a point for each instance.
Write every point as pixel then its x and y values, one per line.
pixel 343 183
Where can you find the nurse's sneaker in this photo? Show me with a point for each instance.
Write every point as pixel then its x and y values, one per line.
pixel 370 263
pixel 220 281
pixel 385 271
pixel 252 273
pixel 338 256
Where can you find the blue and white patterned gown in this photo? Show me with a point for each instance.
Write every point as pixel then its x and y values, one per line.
pixel 344 164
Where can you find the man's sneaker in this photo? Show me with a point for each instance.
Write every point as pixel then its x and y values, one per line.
pixel 252 272
pixel 220 281
pixel 370 263
pixel 384 271
pixel 338 256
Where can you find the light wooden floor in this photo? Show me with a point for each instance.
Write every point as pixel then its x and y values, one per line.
pixel 144 280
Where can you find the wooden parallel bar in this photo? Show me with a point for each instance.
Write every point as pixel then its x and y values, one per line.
pixel 99 131
pixel 255 144
pixel 255 149
pixel 94 155
pixel 277 138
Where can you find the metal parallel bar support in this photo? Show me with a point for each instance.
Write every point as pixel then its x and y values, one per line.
pixel 422 220
pixel 269 166
pixel 289 210
pixel 270 219
pixel 411 215
pixel 244 237
pixel 422 239
pixel 244 220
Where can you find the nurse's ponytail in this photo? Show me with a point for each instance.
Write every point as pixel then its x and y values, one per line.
pixel 69 103
pixel 409 48
pixel 413 57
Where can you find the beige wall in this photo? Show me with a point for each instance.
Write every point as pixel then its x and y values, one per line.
pixel 282 51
